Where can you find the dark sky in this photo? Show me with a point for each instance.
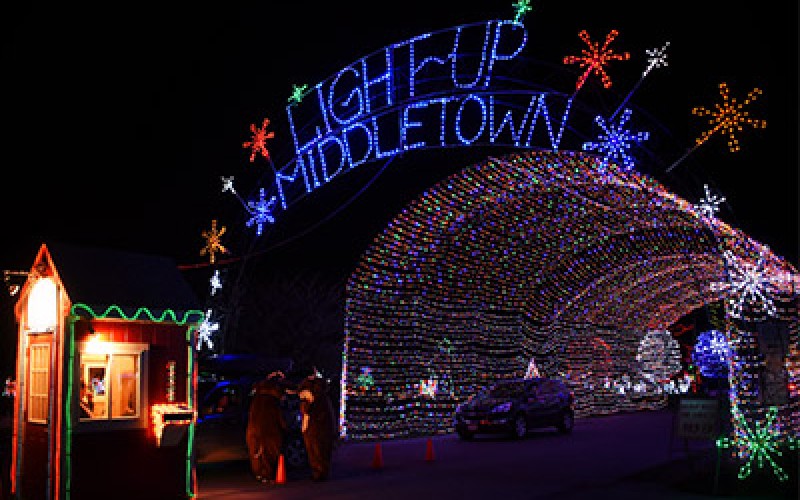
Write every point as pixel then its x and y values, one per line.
pixel 117 122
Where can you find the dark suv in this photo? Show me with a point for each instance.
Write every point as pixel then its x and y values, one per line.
pixel 513 406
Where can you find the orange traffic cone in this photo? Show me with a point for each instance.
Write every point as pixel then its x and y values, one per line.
pixel 280 476
pixel 429 451
pixel 377 459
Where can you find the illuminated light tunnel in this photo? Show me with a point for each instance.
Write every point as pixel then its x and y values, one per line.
pixel 541 257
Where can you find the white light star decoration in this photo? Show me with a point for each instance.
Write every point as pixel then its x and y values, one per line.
pixel 216 283
pixel 261 211
pixel 749 284
pixel 227 184
pixel 709 206
pixel 657 58
pixel 205 330
pixel 616 142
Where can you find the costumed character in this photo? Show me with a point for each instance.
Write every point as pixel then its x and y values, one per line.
pixel 319 425
pixel 266 427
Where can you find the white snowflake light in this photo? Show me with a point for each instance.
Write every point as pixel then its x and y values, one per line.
pixel 205 330
pixel 227 184
pixel 616 142
pixel 656 58
pixel 216 283
pixel 709 205
pixel 750 284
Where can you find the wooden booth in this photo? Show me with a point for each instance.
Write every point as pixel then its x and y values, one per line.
pixel 105 377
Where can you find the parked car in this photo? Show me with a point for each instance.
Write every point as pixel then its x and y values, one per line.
pixel 514 406
pixel 220 431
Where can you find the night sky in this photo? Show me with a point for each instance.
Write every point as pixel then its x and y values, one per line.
pixel 119 121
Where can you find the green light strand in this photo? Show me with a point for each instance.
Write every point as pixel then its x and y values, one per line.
pixel 68 410
pixel 190 395
pixel 167 315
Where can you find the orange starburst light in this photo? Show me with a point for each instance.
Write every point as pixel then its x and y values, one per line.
pixel 594 58
pixel 729 117
pixel 213 241
pixel 259 142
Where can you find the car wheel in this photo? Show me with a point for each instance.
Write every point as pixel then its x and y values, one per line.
pixel 520 427
pixel 466 436
pixel 295 453
pixel 567 422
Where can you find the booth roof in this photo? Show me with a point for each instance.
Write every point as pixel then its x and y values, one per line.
pixel 101 278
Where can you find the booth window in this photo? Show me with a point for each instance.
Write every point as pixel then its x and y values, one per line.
pixel 109 386
pixel 38 393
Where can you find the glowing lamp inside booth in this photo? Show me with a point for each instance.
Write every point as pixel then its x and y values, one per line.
pixel 43 306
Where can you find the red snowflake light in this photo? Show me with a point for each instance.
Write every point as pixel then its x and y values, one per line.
pixel 259 142
pixel 595 57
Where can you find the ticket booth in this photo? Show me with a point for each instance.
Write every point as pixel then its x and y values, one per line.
pixel 105 377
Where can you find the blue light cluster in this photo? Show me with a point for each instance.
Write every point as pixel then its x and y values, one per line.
pixel 712 354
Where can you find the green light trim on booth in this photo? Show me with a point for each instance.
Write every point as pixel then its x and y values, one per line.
pixel 190 395
pixel 68 410
pixel 142 311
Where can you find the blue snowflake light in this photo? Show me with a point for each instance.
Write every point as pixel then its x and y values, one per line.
pixel 616 142
pixel 712 353
pixel 261 211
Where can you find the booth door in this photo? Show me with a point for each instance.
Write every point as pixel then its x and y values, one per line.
pixel 35 456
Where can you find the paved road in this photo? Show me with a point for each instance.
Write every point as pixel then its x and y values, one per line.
pixel 618 457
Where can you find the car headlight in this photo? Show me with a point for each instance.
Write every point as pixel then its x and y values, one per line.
pixel 503 408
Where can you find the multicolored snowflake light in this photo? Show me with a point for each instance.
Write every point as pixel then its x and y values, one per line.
pixel 712 354
pixel 657 58
pixel 757 444
pixel 729 117
pixel 261 211
pixel 709 205
pixel 616 142
pixel 205 330
pixel 521 7
pixel 753 284
pixel 259 142
pixel 213 241
pixel 595 58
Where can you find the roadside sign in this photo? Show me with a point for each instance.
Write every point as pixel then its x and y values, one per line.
pixel 698 418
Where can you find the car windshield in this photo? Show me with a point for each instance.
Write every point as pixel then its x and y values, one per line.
pixel 507 389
